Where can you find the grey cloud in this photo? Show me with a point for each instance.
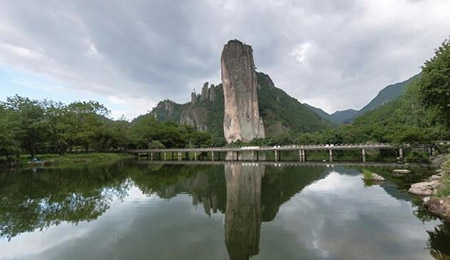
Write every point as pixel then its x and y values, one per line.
pixel 161 49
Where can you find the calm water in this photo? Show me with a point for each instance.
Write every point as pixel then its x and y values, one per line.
pixel 133 210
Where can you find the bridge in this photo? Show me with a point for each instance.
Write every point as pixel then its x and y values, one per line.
pixel 253 152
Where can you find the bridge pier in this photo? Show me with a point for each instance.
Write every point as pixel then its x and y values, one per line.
pixel 253 155
pixel 331 155
pixel 165 156
pixel 212 156
pixel 276 155
pixel 195 156
pixel 363 152
pixel 151 156
pixel 179 156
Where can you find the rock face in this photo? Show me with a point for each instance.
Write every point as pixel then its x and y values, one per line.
pixel 212 93
pixel 195 117
pixel 193 98
pixel 205 92
pixel 241 115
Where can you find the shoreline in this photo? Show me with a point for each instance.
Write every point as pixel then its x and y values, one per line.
pixel 435 191
pixel 66 160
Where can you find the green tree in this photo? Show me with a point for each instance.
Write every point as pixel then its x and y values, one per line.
pixel 86 120
pixel 9 129
pixel 59 124
pixel 435 83
pixel 30 118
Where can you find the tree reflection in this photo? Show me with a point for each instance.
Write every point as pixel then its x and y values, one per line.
pixel 439 241
pixel 36 200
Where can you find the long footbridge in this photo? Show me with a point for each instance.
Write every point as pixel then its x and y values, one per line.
pixel 252 153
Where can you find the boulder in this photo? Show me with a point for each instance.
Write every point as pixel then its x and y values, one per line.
pixel 401 171
pixel 439 206
pixel 374 177
pixel 426 188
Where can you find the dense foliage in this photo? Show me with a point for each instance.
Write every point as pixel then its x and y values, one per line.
pixel 32 127
pixel 435 83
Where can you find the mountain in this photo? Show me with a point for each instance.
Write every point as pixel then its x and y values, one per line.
pixel 337 117
pixel 386 95
pixel 319 112
pixel 281 113
pixel 344 116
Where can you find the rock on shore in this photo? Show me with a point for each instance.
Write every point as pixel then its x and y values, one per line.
pixel 373 177
pixel 439 206
pixel 426 188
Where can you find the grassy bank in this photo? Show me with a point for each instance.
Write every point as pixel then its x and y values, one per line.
pixel 56 160
pixel 444 190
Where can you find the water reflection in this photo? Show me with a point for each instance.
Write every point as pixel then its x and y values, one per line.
pixel 32 200
pixel 243 212
pixel 307 210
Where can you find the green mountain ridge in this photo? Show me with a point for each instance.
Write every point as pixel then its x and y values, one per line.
pixel 281 113
pixel 386 95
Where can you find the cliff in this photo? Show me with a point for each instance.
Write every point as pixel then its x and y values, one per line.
pixel 245 106
pixel 280 112
pixel 241 115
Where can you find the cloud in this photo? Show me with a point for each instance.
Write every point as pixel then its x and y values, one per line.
pixel 323 52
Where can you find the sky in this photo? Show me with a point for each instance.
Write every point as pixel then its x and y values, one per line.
pixel 129 55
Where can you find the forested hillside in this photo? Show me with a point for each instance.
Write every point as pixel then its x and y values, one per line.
pixel 281 113
pixel 386 95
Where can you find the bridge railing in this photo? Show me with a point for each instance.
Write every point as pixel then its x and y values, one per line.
pixel 271 148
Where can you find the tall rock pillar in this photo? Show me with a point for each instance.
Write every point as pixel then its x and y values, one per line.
pixel 241 115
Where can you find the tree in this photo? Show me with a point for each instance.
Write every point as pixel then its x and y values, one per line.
pixel 9 129
pixel 86 119
pixel 435 83
pixel 30 115
pixel 58 121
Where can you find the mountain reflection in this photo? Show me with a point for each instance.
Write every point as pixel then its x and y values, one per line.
pixel 248 194
pixel 243 211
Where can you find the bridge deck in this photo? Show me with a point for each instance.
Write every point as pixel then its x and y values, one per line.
pixel 270 148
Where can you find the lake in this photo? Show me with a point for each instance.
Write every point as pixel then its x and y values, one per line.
pixel 148 210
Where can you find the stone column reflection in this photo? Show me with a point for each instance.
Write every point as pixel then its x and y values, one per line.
pixel 243 209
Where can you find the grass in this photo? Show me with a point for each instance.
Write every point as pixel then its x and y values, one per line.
pixel 56 160
pixel 367 175
pixel 444 190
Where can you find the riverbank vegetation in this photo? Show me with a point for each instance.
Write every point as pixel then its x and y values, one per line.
pixel 444 189
pixel 47 127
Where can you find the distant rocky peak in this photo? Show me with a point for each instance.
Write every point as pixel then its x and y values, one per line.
pixel 264 80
